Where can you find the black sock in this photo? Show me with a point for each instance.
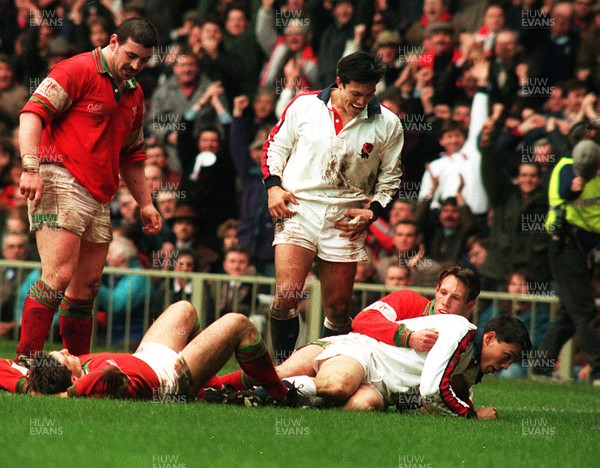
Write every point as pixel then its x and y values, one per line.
pixel 284 334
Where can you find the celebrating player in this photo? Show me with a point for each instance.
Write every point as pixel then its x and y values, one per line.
pixel 79 130
pixel 320 162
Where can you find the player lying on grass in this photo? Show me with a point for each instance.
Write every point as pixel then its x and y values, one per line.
pixel 455 293
pixel 357 372
pixel 173 359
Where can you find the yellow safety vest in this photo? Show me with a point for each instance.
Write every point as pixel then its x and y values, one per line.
pixel 584 211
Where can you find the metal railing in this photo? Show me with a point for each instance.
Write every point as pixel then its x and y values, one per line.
pixel 262 290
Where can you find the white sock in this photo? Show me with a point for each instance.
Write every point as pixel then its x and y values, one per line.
pixel 304 384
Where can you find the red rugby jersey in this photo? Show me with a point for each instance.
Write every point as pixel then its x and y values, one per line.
pixel 143 381
pixel 89 127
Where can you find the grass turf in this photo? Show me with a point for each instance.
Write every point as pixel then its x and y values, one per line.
pixel 540 425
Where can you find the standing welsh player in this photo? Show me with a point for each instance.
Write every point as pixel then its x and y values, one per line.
pixel 78 131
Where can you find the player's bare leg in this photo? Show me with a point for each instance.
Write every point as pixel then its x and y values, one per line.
pixel 337 281
pixel 292 264
pixel 208 352
pixel 173 327
pixel 338 378
pixel 300 362
pixel 58 249
pixel 364 399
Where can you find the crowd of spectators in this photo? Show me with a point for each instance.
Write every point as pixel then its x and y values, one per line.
pixel 488 94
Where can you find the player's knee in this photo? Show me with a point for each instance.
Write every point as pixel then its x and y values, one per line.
pixel 283 313
pixel 332 389
pixel 60 279
pixel 187 311
pixel 365 401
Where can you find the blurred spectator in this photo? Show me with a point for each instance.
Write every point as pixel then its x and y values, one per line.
pixel 517 235
pixel 477 249
pixel 209 181
pixel 445 232
pixel 386 46
pixel 15 246
pixel 216 62
pixel 185 225
pixel 503 78
pixel 493 22
pixel 10 196
pixel 228 234
pixel 239 38
pixel 459 166
pixel 256 225
pixel 397 275
pixel 535 316
pixel 381 233
pixel 434 11
pixel 124 294
pixel 172 290
pixel 410 253
pixel 175 96
pixel 12 96
pixel 155 154
pixel 232 295
pixel 552 51
pixel 293 45
pixel 338 40
pixel 365 274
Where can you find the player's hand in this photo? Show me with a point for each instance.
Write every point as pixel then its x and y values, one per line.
pixel 31 186
pixel 359 221
pixel 278 200
pixel 487 413
pixel 151 219
pixel 423 340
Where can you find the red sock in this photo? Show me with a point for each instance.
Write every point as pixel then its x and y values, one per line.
pixel 75 318
pixel 238 380
pixel 38 311
pixel 256 362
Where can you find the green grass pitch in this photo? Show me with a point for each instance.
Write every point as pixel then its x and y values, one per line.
pixel 540 425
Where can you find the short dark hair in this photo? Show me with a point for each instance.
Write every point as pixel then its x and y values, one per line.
pixel 451 126
pixel 361 67
pixel 47 375
pixel 466 276
pixel 449 201
pixel 509 329
pixel 238 248
pixel 139 30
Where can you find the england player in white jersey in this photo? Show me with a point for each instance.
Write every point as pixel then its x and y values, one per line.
pixel 358 372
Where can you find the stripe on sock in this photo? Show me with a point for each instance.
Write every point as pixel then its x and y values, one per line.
pixel 251 352
pixel 46 295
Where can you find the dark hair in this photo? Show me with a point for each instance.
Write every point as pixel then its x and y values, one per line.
pixel 509 329
pixel 190 253
pixel 451 126
pixel 477 239
pixel 47 375
pixel 238 248
pixel 449 201
pixel 138 30
pixel 361 67
pixel 466 276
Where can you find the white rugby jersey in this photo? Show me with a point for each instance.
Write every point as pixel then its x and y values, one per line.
pixel 311 156
pixel 403 370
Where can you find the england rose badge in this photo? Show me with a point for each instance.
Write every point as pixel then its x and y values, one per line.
pixel 366 150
